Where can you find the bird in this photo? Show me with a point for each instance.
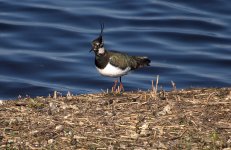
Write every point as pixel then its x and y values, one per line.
pixel 115 64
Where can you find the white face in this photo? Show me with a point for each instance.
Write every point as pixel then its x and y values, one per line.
pixel 101 50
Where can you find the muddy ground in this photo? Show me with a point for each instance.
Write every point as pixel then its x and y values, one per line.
pixel 180 119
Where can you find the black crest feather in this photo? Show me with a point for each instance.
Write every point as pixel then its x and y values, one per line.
pixel 102 27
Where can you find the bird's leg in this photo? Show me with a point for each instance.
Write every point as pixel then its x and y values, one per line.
pixel 114 86
pixel 121 86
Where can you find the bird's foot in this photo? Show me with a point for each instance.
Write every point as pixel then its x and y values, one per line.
pixel 114 86
pixel 117 89
pixel 121 87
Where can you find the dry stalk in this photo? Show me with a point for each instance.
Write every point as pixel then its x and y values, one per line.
pixel 157 81
pixel 155 88
pixel 174 138
pixel 173 86
pixel 68 94
pixel 103 137
pixel 55 95
pixel 210 95
pixel 112 89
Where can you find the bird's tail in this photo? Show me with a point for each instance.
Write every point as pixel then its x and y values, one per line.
pixel 142 61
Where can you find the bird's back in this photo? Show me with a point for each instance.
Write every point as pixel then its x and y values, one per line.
pixel 123 60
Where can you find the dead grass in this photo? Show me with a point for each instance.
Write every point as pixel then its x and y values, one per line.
pixel 180 119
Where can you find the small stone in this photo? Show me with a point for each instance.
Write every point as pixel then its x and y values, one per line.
pixel 81 123
pixel 50 141
pixel 36 144
pixel 65 117
pixel 70 133
pixel 134 135
pixel 59 127
pixel 10 141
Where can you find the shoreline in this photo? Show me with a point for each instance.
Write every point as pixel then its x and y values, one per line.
pixel 178 119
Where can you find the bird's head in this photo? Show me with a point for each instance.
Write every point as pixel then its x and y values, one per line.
pixel 97 44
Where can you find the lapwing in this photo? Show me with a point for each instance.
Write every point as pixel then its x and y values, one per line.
pixel 113 63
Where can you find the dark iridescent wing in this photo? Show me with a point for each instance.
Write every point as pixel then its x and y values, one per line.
pixel 121 60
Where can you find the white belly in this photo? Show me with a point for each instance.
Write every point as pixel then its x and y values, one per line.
pixel 112 71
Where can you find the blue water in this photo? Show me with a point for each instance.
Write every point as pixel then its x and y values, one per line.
pixel 44 45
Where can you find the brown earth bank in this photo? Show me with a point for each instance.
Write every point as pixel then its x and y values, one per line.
pixel 178 119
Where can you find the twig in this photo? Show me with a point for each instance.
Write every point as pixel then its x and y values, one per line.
pixel 174 138
pixel 103 137
pixel 173 85
pixel 157 81
pixel 155 88
pixel 210 95
pixel 55 95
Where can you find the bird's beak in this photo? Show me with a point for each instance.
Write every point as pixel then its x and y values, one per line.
pixel 91 50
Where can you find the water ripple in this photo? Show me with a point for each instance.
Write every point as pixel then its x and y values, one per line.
pixel 45 44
